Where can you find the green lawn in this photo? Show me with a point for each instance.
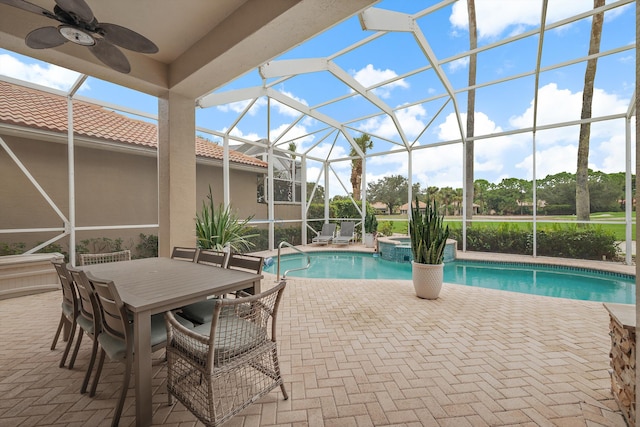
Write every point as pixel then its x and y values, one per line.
pixel 400 225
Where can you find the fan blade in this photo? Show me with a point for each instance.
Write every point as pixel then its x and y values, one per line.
pixel 127 38
pixel 78 8
pixel 111 56
pixel 44 38
pixel 29 7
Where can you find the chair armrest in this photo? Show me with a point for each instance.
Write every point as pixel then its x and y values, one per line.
pixel 174 327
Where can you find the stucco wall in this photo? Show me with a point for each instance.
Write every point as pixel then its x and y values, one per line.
pixel 111 188
pixel 242 192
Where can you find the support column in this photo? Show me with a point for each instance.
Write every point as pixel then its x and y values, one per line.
pixel 176 172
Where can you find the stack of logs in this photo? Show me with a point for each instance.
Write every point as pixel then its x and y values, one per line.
pixel 623 364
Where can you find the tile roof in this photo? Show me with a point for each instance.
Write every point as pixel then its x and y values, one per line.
pixel 32 108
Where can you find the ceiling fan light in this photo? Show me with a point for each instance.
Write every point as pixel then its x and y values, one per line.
pixel 76 35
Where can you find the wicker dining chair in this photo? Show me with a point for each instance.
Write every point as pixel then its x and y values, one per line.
pixel 88 320
pixel 69 309
pixel 184 254
pixel 87 259
pixel 219 368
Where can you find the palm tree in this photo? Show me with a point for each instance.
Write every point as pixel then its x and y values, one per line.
pixel 480 188
pixel 292 185
pixel 583 203
pixel 293 147
pixel 446 196
pixel 365 143
pixel 457 201
pixel 471 101
pixel 432 192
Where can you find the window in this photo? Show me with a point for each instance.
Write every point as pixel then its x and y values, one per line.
pixel 286 177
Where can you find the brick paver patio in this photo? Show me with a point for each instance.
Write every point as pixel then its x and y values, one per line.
pixel 358 353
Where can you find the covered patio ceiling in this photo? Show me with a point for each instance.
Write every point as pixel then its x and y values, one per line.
pixel 201 45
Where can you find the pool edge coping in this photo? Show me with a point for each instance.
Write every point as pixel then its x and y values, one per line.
pixel 604 266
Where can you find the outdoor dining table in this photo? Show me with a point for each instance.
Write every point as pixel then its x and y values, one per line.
pixel 155 285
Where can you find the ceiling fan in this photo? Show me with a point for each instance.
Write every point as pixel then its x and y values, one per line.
pixel 79 26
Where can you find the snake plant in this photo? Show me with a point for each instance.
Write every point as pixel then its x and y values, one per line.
pixel 218 227
pixel 428 234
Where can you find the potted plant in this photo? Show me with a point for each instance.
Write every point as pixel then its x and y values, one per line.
pixel 370 229
pixel 428 240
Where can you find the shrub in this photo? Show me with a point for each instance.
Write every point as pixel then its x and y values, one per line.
pixel 559 210
pixel 19 248
pixel 386 228
pixel 148 246
pixel 97 245
pixel 12 248
pixel 567 242
pixel 370 223
pixel 260 238
pixel 591 242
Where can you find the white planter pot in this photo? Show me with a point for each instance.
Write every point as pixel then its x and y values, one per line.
pixel 369 240
pixel 427 279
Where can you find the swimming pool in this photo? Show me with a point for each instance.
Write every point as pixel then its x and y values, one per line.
pixel 537 279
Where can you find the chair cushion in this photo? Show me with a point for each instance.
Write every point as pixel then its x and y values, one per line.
pixel 116 348
pixel 199 312
pixel 67 309
pixel 86 324
pixel 234 336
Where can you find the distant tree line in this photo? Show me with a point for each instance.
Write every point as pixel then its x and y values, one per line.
pixel 556 194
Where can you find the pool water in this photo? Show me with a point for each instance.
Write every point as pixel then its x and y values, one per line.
pixel 537 279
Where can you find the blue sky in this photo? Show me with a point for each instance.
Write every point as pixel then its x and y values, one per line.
pixel 418 100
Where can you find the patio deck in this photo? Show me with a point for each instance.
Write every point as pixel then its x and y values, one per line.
pixel 358 353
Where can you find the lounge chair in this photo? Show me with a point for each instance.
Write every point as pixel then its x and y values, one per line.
pixel 326 234
pixel 347 233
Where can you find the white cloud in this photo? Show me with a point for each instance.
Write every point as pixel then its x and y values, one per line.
pixel 492 155
pixel 369 76
pixel 343 169
pixel 611 154
pixel 550 97
pixel 48 75
pixel 326 150
pixel 449 130
pixel 240 106
pixel 285 109
pixel 497 17
pixel 251 136
pixel 438 166
pixel 412 120
pixel 392 164
pixel 293 133
pixel 552 160
pixel 458 64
